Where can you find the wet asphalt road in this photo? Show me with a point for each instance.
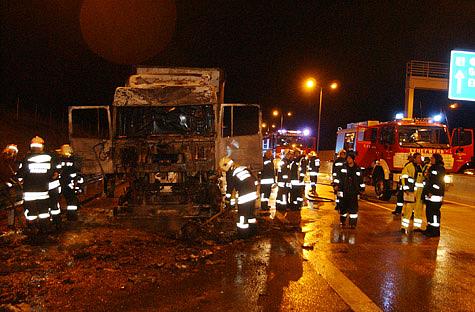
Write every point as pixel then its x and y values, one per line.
pixel 305 261
pixel 322 267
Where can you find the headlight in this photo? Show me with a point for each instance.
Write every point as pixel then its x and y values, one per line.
pixel 448 179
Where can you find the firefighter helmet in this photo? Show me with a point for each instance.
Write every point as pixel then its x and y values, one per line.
pixel 11 150
pixel 225 163
pixel 66 150
pixel 342 153
pixel 37 142
pixel 312 154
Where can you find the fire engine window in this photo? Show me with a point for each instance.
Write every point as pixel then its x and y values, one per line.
pixel 371 134
pixel 349 143
pixel 420 136
pixel 387 135
pixel 245 120
pixel 227 121
pixel 90 123
pixel 462 138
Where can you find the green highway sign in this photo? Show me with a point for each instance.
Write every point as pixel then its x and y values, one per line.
pixel 462 75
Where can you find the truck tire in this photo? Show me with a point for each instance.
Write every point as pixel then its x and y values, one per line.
pixel 381 186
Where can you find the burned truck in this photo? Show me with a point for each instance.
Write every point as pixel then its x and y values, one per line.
pixel 163 137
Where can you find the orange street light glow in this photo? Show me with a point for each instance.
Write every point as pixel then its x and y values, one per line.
pixel 275 113
pixel 264 125
pixel 310 83
pixel 333 85
pixel 289 114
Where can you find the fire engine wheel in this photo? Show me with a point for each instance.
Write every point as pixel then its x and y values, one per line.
pixel 382 189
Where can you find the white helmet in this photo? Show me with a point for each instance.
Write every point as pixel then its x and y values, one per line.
pixel 225 163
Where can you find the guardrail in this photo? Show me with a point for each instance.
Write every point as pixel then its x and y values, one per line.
pixel 427 69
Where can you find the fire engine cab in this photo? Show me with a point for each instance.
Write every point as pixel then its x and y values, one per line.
pixel 383 148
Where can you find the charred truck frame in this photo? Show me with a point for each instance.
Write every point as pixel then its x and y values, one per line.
pixel 164 135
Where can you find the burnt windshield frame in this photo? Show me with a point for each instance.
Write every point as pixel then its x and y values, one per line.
pixel 425 136
pixel 140 121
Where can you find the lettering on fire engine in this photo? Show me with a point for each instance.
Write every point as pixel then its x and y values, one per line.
pixel 429 151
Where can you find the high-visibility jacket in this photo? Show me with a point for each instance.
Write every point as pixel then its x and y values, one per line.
pixel 243 183
pixel 283 172
pixel 303 164
pixel 435 184
pixel 294 172
pixel 337 165
pixel 409 175
pixel 36 171
pixel 350 181
pixel 267 173
pixel 313 165
pixel 70 175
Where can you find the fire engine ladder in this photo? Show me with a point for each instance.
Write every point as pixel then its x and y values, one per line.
pixel 426 76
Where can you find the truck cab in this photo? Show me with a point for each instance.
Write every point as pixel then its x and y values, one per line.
pixel 164 134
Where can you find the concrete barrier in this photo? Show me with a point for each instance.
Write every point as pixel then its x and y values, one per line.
pixel 462 190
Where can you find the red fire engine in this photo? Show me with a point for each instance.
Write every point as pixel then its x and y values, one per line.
pixel 462 149
pixel 383 147
pixel 283 139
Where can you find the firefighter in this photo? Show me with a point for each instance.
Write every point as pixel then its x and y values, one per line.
pixel 313 169
pixel 71 181
pixel 242 182
pixel 434 190
pixel 349 187
pixel 267 179
pixel 8 169
pixel 303 164
pixel 36 171
pixel 283 182
pixel 295 196
pixel 412 185
pixel 54 191
pixel 400 193
pixel 300 188
pixel 337 165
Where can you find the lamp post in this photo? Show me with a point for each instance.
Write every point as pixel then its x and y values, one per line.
pixel 276 113
pixel 310 84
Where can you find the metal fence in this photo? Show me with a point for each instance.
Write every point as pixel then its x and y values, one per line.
pixel 427 69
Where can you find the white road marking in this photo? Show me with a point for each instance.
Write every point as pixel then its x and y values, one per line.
pixel 377 205
pixel 445 226
pixel 457 203
pixel 342 285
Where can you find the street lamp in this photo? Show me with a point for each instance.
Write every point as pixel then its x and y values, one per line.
pixel 310 84
pixel 454 105
pixel 276 113
pixel 265 125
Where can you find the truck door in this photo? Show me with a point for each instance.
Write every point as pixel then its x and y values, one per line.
pixel 462 147
pixel 90 135
pixel 240 136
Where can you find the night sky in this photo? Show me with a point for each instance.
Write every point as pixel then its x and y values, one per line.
pixel 266 49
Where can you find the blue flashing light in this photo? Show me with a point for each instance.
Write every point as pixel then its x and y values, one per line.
pixel 437 118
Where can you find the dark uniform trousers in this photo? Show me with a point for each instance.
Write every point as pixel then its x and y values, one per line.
pixel 296 187
pixel 267 179
pixel 283 184
pixel 337 165
pixel 435 189
pixel 243 182
pixel 71 185
pixel 350 184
